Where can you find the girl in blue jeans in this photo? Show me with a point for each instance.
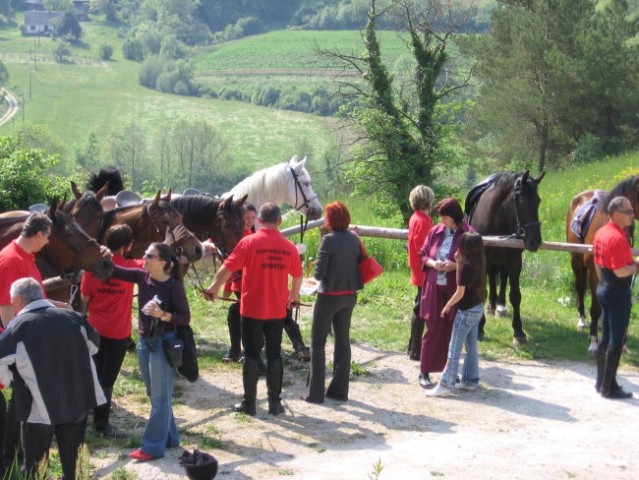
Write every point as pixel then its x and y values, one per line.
pixel 468 300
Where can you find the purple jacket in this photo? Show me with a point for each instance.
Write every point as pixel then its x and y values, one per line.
pixel 428 310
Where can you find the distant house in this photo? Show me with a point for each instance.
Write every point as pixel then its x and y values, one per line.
pixel 80 7
pixel 40 23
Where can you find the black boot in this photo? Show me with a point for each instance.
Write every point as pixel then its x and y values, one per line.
pixel 101 415
pixel 294 334
pixel 274 372
pixel 601 362
pixel 415 342
pixel 235 333
pixel 250 375
pixel 609 386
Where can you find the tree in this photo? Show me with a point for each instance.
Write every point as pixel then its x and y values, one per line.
pixel 552 71
pixel 26 177
pixel 399 132
pixel 68 27
pixel 4 75
pixel 105 51
pixel 58 5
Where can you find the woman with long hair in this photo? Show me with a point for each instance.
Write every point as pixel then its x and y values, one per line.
pixel 162 305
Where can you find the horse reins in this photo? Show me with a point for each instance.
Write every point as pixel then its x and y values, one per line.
pixel 521 229
pixel 298 187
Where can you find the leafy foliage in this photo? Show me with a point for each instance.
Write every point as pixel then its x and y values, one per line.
pixel 25 176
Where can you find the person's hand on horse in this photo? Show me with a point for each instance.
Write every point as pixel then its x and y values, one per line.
pixel 210 248
pixel 178 233
pixel 210 294
pixel 105 252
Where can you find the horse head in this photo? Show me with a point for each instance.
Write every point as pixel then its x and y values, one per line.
pixel 70 247
pixel 162 216
pixel 228 227
pixel 300 192
pixel 86 208
pixel 527 210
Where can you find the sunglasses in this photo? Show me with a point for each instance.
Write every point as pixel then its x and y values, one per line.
pixel 630 211
pixel 150 256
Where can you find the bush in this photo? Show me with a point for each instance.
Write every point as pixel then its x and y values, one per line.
pixel 105 52
pixel 132 49
pixel 588 149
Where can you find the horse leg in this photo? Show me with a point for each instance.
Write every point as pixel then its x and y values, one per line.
pixel 519 336
pixel 581 274
pixel 502 310
pixel 492 289
pixel 595 311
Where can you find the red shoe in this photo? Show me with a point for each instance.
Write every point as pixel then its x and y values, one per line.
pixel 141 456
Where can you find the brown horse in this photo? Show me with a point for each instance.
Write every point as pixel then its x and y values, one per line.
pixel 86 208
pixel 149 222
pixel 211 217
pixel 582 264
pixel 69 247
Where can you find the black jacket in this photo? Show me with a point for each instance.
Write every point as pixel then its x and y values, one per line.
pixel 337 260
pixel 49 353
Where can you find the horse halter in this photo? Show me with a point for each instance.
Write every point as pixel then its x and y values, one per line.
pixel 176 244
pixel 298 187
pixel 520 230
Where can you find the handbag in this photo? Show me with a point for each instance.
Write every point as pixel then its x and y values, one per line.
pixel 173 351
pixel 189 367
pixel 369 268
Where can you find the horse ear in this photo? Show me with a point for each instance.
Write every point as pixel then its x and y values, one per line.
pixel 167 197
pixel 156 200
pixel 75 190
pixel 102 192
pixel 539 178
pixel 225 202
pixel 53 206
pixel 62 202
pixel 241 201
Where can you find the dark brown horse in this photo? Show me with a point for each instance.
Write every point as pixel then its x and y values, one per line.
pixel 506 204
pixel 70 248
pixel 86 209
pixel 210 217
pixel 149 222
pixel 582 264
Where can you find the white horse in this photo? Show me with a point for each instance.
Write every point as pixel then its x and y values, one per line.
pixel 287 183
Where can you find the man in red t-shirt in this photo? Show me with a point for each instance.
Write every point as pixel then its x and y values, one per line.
pixel 17 260
pixel 109 303
pixel 266 259
pixel 615 268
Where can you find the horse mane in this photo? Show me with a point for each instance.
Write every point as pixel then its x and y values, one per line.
pixel 506 179
pixel 7 221
pixel 112 175
pixel 261 183
pixel 196 209
pixel 626 188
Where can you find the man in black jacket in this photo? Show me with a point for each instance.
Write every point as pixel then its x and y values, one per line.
pixel 47 352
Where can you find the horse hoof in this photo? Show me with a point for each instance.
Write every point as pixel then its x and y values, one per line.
pixel 581 324
pixel 519 341
pixel 501 311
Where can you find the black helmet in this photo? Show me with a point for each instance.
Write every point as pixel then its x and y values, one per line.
pixel 199 465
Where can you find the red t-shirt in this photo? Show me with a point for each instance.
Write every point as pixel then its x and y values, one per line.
pixel 266 259
pixel 611 247
pixel 234 283
pixel 110 301
pixel 15 263
pixel 419 225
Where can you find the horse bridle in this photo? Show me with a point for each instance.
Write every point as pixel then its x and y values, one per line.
pixel 175 245
pixel 520 230
pixel 298 187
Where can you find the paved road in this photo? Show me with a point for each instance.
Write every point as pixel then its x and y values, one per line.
pixel 13 106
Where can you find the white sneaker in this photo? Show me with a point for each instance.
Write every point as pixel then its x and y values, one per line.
pixel 439 391
pixel 469 387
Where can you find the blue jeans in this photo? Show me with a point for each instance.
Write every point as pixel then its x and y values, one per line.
pixel 159 377
pixel 465 330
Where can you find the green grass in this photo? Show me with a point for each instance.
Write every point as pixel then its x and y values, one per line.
pixel 292 49
pixel 84 96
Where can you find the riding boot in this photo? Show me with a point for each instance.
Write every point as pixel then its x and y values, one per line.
pixel 416 333
pixel 601 362
pixel 250 375
pixel 235 332
pixel 609 382
pixel 292 329
pixel 274 372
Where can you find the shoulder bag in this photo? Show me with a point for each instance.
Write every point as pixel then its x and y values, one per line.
pixel 369 268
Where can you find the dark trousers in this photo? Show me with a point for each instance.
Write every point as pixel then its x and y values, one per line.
pixel 108 361
pixel 416 329
pixel 259 333
pixel 36 441
pixel 335 311
pixel 616 303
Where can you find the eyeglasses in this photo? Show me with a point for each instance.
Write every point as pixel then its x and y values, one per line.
pixel 630 211
pixel 150 256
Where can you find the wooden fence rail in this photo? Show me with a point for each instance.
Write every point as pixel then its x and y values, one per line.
pixel 492 241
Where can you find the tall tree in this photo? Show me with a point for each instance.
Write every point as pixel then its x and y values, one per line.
pixel 398 128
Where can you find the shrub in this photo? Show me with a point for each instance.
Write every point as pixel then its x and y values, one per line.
pixel 588 149
pixel 105 52
pixel 132 49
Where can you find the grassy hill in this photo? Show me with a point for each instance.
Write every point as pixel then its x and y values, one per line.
pixel 86 95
